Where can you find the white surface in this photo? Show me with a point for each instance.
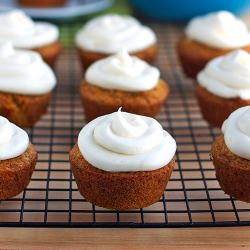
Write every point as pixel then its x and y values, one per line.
pixel 14 142
pixel 24 72
pixel 24 33
pixel 124 142
pixel 220 30
pixel 123 72
pixel 73 8
pixel 110 33
pixel 228 76
pixel 236 131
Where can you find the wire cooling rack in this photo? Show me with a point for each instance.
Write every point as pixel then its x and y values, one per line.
pixel 192 197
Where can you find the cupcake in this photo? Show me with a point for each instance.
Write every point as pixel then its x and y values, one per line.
pixel 41 3
pixel 231 155
pixel 25 85
pixel 41 37
pixel 108 34
pixel 224 86
pixel 123 161
pixel 17 159
pixel 122 80
pixel 211 36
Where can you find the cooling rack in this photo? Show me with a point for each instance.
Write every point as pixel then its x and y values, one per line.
pixel 192 197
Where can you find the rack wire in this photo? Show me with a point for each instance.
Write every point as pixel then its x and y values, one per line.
pixel 192 197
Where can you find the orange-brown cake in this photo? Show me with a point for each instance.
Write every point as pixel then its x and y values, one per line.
pixel 98 101
pixel 126 167
pixel 26 83
pixel 50 53
pixel 129 190
pixel 122 81
pixel 17 159
pixel 23 110
pixel 108 34
pixel 224 86
pixel 194 56
pixel 24 33
pixel 41 3
pixel 208 37
pixel 231 156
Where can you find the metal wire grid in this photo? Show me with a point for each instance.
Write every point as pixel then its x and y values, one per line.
pixel 192 197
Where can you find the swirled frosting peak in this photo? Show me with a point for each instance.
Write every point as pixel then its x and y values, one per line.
pixel 128 128
pixel 228 76
pixel 220 30
pixel 124 142
pixel 13 140
pixel 110 33
pixel 23 32
pixel 236 131
pixel 123 72
pixel 24 72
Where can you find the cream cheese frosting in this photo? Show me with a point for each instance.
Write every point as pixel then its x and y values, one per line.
pixel 236 131
pixel 24 33
pixel 124 142
pixel 24 72
pixel 111 33
pixel 123 72
pixel 220 30
pixel 13 140
pixel 228 76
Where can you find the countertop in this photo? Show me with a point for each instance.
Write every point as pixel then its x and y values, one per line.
pixel 113 239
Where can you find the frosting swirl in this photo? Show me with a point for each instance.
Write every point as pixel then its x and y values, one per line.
pixel 236 131
pixel 13 141
pixel 123 72
pixel 220 30
pixel 228 76
pixel 111 33
pixel 124 142
pixel 24 72
pixel 24 33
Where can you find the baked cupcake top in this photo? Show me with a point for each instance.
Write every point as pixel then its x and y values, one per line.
pixel 124 142
pixel 236 131
pixel 111 33
pixel 24 72
pixel 228 76
pixel 24 33
pixel 220 30
pixel 123 72
pixel 13 140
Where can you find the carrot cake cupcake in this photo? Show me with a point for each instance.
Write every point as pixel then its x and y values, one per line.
pixel 17 159
pixel 25 85
pixel 210 36
pixel 108 34
pixel 122 80
pixel 41 3
pixel 24 33
pixel 224 86
pixel 231 155
pixel 123 161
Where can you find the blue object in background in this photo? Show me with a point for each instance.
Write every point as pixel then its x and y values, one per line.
pixel 182 10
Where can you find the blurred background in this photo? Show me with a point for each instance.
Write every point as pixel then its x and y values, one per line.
pixel 160 10
pixel 73 13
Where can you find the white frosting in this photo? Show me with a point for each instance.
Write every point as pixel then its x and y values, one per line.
pixel 111 33
pixel 228 76
pixel 124 142
pixel 18 28
pixel 220 30
pixel 123 72
pixel 13 140
pixel 236 131
pixel 24 72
